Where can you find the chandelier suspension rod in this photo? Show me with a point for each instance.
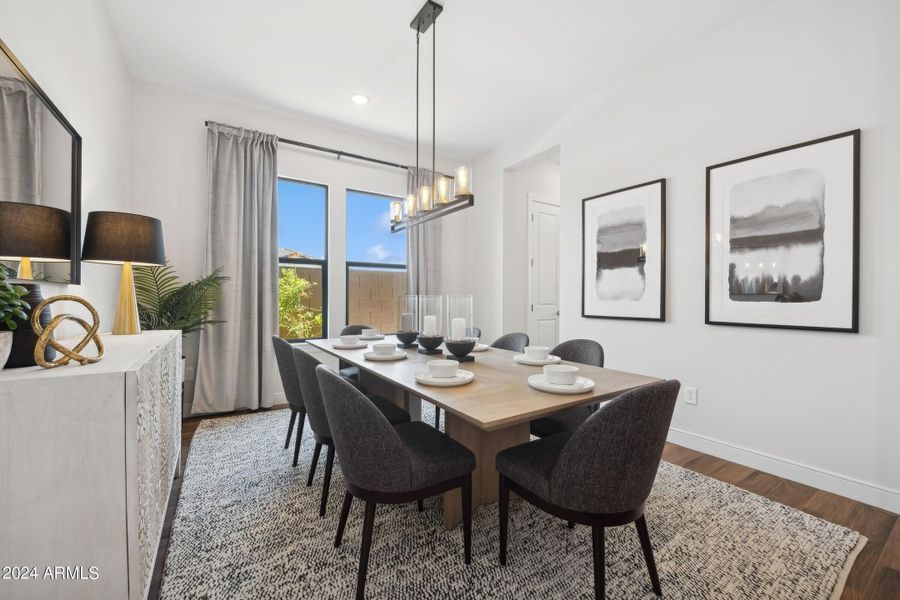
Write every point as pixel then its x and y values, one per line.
pixel 433 110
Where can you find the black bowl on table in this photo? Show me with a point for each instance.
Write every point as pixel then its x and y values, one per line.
pixel 430 342
pixel 459 348
pixel 407 337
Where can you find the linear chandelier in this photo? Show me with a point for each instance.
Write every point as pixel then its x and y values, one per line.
pixel 445 194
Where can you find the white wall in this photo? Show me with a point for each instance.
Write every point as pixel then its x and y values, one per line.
pixel 168 170
pixel 70 50
pixel 821 408
pixel 540 177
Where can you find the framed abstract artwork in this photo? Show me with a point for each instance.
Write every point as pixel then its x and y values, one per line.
pixel 624 253
pixel 782 237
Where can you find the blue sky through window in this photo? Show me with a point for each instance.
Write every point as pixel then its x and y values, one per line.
pixel 369 237
pixel 301 217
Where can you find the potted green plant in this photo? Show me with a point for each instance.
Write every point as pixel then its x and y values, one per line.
pixel 164 302
pixel 12 307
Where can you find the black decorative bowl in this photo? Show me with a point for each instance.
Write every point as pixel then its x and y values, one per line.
pixel 431 342
pixel 407 337
pixel 459 347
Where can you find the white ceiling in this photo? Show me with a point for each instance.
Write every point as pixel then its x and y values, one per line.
pixel 503 65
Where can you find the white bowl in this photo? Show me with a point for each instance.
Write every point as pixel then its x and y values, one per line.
pixel 561 374
pixel 442 368
pixel 537 352
pixel 349 340
pixel 370 332
pixel 383 349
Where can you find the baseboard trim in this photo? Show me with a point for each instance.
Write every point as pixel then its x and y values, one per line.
pixel 854 489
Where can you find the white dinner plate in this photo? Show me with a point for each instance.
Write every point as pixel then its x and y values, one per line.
pixel 581 385
pixel 523 359
pixel 358 346
pixel 480 347
pixel 462 378
pixel 397 355
pixel 371 337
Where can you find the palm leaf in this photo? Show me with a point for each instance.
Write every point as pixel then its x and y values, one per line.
pixel 165 303
pixel 153 284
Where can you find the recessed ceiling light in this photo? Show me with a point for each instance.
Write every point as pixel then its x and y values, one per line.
pixel 360 99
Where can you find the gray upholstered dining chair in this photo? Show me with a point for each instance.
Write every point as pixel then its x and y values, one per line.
pixel 599 475
pixel 586 352
pixel 387 465
pixel 291 383
pixel 318 419
pixel 473 332
pixel 512 341
pixel 348 371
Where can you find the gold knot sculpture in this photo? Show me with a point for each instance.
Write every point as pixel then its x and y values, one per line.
pixel 45 336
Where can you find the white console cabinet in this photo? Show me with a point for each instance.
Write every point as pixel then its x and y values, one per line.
pixel 87 458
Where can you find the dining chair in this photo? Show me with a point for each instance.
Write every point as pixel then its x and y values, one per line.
pixel 321 426
pixel 599 475
pixel 473 332
pixel 390 465
pixel 292 392
pixel 349 371
pixel 586 352
pixel 512 341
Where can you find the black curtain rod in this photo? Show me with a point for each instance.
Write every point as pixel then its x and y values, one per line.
pixel 338 153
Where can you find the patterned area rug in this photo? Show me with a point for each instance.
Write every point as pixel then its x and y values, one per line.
pixel 248 527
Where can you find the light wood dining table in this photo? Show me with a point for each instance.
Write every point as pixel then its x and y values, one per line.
pixel 489 414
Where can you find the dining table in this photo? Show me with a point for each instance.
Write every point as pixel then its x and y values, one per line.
pixel 487 415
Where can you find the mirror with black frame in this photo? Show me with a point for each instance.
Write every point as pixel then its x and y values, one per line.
pixel 40 181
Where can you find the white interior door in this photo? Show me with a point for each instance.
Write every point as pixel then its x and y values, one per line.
pixel 543 271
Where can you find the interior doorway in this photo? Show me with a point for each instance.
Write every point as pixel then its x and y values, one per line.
pixel 531 198
pixel 543 270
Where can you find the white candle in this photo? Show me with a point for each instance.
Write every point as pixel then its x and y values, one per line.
pixel 406 322
pixel 430 327
pixel 457 328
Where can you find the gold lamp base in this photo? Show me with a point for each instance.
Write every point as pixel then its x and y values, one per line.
pixel 25 271
pixel 127 321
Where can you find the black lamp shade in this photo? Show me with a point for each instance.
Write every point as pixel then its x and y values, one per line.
pixel 41 233
pixel 116 237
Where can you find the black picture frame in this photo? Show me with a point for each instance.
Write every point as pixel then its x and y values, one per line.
pixel 855 134
pixel 75 210
pixel 662 246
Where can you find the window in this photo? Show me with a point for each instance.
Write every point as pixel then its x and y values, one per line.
pixel 302 259
pixel 376 261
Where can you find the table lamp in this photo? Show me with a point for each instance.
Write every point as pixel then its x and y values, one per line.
pixel 32 233
pixel 126 239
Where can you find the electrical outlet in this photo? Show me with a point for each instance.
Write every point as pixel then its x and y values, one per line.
pixel 690 395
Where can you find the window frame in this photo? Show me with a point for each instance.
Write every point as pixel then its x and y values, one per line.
pixel 321 263
pixel 358 264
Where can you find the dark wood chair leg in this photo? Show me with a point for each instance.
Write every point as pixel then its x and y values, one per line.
pixel 598 535
pixel 644 535
pixel 287 440
pixel 437 417
pixel 570 524
pixel 342 522
pixel 312 466
pixel 420 504
pixel 302 416
pixel 329 464
pixel 467 517
pixel 504 518
pixel 368 526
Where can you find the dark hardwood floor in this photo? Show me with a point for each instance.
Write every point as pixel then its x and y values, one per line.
pixel 875 575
